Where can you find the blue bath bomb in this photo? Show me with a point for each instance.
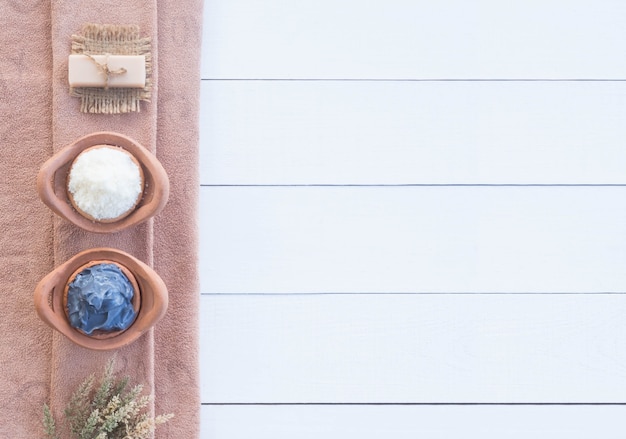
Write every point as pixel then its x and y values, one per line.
pixel 100 298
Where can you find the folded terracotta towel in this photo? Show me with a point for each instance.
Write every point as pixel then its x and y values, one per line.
pixel 38 117
pixel 26 252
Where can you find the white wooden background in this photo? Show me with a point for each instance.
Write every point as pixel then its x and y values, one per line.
pixel 413 219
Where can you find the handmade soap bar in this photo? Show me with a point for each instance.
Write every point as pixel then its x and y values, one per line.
pixel 114 71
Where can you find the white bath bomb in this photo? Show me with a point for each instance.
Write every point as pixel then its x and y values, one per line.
pixel 105 183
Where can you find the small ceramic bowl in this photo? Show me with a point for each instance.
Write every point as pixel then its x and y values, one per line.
pixel 53 176
pixel 150 299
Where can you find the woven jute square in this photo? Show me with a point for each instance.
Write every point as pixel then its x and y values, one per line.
pixel 103 39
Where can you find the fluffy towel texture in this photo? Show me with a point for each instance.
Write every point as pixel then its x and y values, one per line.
pixel 38 117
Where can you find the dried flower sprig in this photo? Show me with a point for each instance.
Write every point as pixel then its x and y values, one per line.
pixel 112 411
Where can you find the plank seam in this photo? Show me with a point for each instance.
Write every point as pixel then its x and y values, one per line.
pixel 412 80
pixel 421 185
pixel 452 293
pixel 413 404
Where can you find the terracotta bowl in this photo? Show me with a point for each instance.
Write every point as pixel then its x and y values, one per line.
pixel 52 183
pixel 151 298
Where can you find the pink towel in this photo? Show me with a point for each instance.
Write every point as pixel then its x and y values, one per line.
pixel 37 118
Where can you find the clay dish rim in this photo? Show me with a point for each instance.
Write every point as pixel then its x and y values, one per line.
pixel 52 182
pixel 49 294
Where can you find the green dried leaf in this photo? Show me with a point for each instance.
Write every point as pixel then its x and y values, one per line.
pixel 109 412
pixel 48 423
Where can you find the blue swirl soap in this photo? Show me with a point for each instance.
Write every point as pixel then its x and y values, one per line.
pixel 100 297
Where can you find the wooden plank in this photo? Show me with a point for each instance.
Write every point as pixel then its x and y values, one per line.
pixel 412 239
pixel 414 39
pixel 541 348
pixel 374 422
pixel 412 132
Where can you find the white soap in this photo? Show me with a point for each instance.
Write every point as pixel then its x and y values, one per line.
pixel 105 182
pixel 125 71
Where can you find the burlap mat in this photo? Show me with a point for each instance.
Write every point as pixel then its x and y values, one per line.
pixel 97 39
